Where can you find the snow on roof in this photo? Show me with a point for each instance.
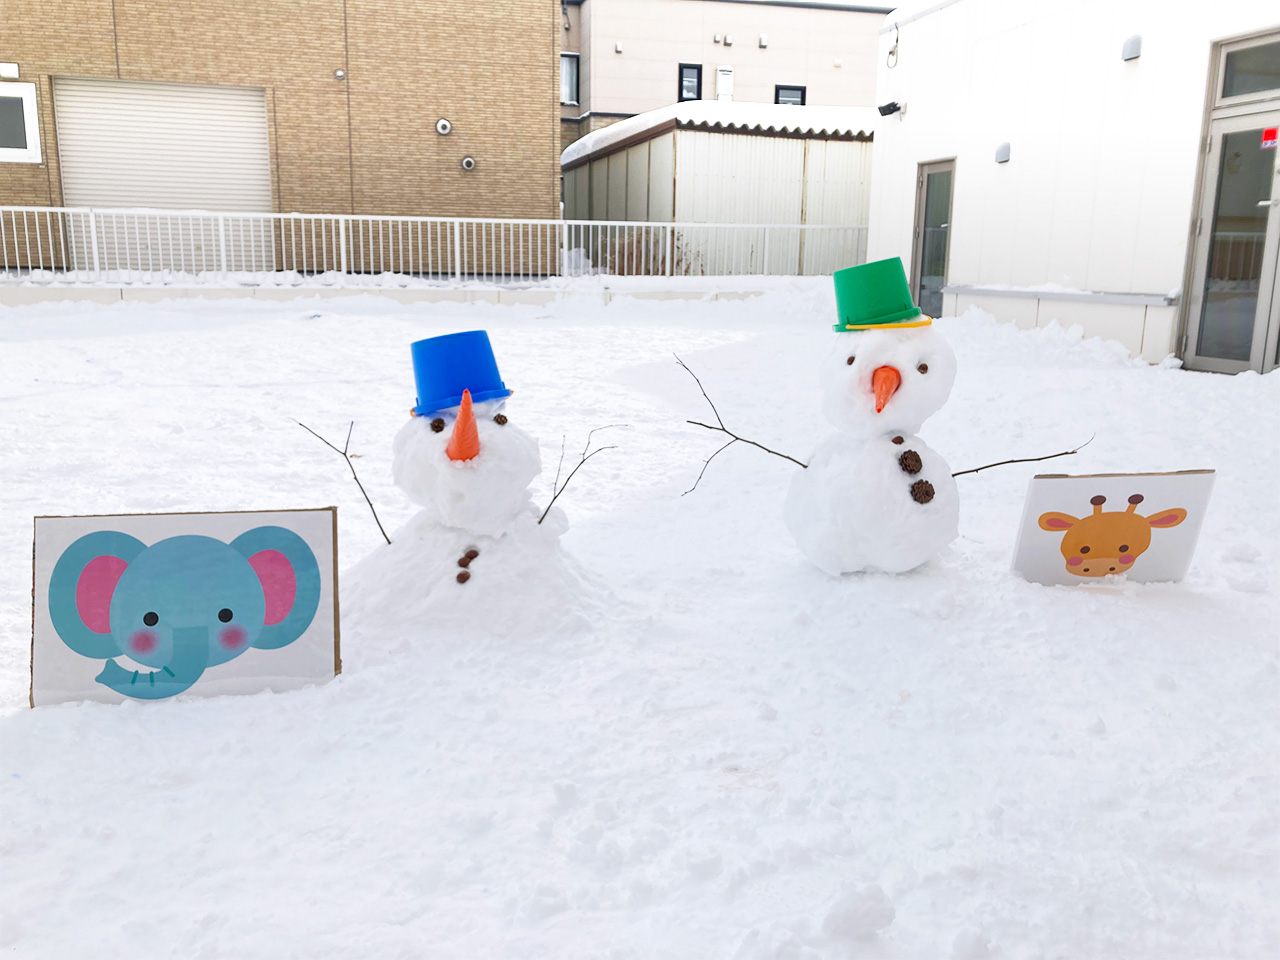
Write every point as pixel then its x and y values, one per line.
pixel 727 116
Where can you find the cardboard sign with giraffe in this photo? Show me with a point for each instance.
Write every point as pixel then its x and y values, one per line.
pixel 1077 529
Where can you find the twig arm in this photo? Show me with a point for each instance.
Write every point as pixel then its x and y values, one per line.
pixel 347 457
pixel 1001 463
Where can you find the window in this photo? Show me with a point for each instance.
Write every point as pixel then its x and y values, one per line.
pixel 569 78
pixel 690 81
pixel 1252 70
pixel 19 124
pixel 791 95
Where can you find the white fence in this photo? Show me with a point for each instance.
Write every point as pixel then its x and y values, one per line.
pixel 143 247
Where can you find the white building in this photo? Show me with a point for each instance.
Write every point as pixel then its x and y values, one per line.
pixel 624 57
pixel 1112 164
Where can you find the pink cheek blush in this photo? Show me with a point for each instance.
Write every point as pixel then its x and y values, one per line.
pixel 143 641
pixel 1075 561
pixel 1125 558
pixel 233 637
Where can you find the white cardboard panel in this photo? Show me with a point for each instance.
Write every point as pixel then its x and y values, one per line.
pixel 59 674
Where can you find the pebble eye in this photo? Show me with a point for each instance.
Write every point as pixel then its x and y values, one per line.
pixel 225 615
pixel 150 619
pixel 437 424
pixel 923 368
pixel 1084 549
pixel 850 361
pixel 500 419
pixel 1124 548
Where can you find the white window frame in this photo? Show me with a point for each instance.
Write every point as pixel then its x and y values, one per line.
pixel 1235 46
pixel 26 92
pixel 577 77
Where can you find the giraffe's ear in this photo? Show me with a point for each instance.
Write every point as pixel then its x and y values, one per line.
pixel 1167 518
pixel 1057 522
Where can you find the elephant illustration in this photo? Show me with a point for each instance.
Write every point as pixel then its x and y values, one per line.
pixel 181 605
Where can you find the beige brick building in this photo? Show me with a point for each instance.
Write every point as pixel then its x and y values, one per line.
pixel 353 90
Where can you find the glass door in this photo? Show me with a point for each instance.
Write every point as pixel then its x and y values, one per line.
pixel 933 228
pixel 1233 319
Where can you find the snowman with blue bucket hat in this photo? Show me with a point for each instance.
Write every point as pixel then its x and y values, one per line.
pixel 459 457
pixel 874 495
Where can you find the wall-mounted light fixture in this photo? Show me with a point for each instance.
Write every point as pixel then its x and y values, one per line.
pixel 468 163
pixel 8 71
pixel 617 46
pixel 728 39
pixel 339 74
pixel 443 127
pixel 717 38
pixel 892 107
pixel 1002 153
pixel 764 39
pixel 1132 48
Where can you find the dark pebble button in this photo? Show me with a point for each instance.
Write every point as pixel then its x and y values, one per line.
pixel 464 561
pixel 472 553
pixel 897 440
pixel 464 576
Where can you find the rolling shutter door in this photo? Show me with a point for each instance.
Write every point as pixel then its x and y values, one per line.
pixel 168 145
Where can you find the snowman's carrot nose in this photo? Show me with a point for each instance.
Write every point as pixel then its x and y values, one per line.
pixel 464 442
pixel 885 382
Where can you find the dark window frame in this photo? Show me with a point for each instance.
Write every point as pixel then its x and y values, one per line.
pixel 577 78
pixel 697 67
pixel 779 87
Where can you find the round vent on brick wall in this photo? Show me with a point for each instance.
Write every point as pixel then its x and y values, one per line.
pixel 468 163
pixel 443 127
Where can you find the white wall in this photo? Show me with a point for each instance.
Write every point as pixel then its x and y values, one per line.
pixel 1099 190
pixel 831 52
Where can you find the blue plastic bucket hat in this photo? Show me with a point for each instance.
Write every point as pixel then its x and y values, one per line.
pixel 445 366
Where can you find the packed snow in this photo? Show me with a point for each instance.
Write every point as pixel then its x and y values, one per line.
pixel 680 738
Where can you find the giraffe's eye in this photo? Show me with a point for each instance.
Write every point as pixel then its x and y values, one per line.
pixel 923 368
pixel 1084 549
pixel 1124 548
pixel 850 361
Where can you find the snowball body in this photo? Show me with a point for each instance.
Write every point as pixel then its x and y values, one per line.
pixel 853 509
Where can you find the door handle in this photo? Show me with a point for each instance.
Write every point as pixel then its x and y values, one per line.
pixel 1269 203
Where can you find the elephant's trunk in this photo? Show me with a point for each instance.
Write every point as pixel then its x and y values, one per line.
pixel 190 657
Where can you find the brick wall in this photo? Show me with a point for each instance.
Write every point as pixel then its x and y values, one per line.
pixel 366 144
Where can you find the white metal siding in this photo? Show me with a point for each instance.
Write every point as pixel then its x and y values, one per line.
pixel 177 146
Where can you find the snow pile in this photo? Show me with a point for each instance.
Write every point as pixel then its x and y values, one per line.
pixel 708 747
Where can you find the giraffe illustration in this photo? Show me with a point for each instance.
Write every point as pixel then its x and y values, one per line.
pixel 1106 543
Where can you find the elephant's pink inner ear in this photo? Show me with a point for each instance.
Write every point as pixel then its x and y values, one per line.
pixel 94 589
pixel 278 582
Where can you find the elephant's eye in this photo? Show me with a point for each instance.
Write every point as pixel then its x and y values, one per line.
pixel 225 615
pixel 150 619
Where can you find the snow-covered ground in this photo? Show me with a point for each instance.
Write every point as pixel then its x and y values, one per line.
pixel 713 749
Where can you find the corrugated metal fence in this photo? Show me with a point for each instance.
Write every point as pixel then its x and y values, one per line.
pixel 165 247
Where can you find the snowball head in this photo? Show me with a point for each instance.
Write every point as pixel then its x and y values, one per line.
pixel 482 495
pixel 925 364
pixel 853 508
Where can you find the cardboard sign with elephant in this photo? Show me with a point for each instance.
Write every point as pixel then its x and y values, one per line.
pixel 150 606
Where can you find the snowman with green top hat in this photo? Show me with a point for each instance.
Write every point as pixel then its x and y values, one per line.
pixel 875 496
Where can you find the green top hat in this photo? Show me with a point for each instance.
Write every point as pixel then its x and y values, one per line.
pixel 875 296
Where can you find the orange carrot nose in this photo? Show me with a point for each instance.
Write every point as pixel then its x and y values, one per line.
pixel 464 442
pixel 885 382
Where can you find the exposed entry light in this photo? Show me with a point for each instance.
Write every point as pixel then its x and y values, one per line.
pixel 1132 48
pixel 339 74
pixel 1002 153
pixel 887 109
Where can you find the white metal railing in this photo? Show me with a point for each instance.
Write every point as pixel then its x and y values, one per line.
pixel 167 247
pixel 1237 255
